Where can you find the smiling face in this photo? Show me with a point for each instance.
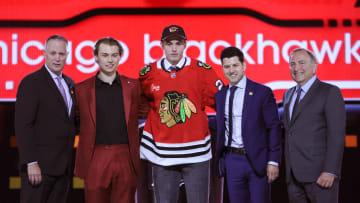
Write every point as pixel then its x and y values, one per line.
pixel 55 55
pixel 173 49
pixel 233 69
pixel 302 67
pixel 108 58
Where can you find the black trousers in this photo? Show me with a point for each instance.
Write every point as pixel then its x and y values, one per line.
pixel 52 189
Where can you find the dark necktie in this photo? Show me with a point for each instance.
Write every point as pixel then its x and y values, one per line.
pixel 231 101
pixel 174 68
pixel 62 91
pixel 297 100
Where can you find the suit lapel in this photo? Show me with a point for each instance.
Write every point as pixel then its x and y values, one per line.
pixel 248 97
pixel 126 91
pixel 307 98
pixel 54 89
pixel 92 99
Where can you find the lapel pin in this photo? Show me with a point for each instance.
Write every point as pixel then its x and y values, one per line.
pixel 128 82
pixel 251 93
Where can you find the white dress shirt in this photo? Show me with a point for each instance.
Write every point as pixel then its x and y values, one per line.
pixel 237 114
pixel 180 64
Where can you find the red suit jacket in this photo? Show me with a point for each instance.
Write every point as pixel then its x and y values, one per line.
pixel 86 113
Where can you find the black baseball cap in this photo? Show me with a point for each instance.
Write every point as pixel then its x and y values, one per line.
pixel 173 31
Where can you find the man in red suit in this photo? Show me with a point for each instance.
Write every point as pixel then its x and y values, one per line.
pixel 108 152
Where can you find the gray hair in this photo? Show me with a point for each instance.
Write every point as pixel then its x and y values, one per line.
pixel 312 56
pixel 57 37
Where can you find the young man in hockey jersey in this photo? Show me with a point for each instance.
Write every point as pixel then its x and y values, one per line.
pixel 176 138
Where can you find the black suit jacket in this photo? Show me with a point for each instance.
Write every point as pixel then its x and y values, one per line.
pixel 314 137
pixel 43 128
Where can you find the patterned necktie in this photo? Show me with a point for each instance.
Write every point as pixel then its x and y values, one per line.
pixel 231 101
pixel 62 91
pixel 297 100
pixel 174 68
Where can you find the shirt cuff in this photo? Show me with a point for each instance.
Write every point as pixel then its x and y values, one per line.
pixel 273 163
pixel 332 174
pixel 32 163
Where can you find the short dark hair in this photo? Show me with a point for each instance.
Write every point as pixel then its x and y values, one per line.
pixel 57 37
pixel 231 52
pixel 109 41
pixel 312 56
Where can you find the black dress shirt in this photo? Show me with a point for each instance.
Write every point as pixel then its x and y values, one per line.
pixel 110 114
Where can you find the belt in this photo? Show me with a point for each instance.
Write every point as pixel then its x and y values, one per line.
pixel 240 151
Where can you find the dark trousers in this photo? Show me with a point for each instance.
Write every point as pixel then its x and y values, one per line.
pixel 300 192
pixel 244 185
pixel 167 179
pixel 111 176
pixel 52 189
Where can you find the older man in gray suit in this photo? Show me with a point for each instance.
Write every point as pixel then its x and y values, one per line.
pixel 314 122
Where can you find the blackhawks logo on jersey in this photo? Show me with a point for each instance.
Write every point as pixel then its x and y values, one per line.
pixel 145 70
pixel 202 64
pixel 175 108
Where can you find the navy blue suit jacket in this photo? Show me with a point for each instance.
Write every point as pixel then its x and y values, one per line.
pixel 261 127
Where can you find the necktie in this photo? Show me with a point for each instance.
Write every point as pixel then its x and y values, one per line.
pixel 62 91
pixel 231 101
pixel 297 100
pixel 174 68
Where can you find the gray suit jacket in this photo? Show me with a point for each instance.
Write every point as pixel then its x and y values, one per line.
pixel 314 138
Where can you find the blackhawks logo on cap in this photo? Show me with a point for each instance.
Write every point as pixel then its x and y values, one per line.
pixel 175 108
pixel 145 70
pixel 173 29
pixel 204 65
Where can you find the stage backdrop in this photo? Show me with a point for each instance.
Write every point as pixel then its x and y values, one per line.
pixel 266 31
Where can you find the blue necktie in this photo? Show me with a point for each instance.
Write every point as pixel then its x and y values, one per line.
pixel 231 101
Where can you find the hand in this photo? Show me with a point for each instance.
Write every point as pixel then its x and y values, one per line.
pixel 272 172
pixel 34 174
pixel 325 180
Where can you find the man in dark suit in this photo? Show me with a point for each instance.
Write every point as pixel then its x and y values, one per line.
pixel 45 128
pixel 248 150
pixel 314 122
pixel 108 152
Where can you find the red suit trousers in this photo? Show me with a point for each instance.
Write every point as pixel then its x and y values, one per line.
pixel 111 176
